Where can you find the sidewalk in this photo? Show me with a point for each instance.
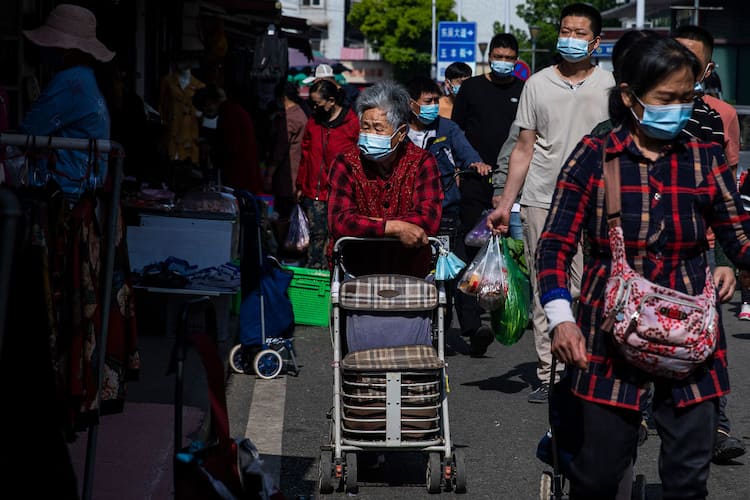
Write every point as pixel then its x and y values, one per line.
pixel 134 448
pixel 134 452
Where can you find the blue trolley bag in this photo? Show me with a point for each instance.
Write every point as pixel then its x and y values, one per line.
pixel 266 312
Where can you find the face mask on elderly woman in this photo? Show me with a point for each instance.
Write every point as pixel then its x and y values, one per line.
pixel 376 147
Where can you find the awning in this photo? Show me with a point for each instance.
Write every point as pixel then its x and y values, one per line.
pixel 253 6
pixel 257 15
pixel 299 60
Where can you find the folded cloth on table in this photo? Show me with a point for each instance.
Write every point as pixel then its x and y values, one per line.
pixel 224 277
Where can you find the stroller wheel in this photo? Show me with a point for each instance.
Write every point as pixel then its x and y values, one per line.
pixel 237 361
pixel 268 364
pixel 325 473
pixel 639 487
pixel 350 483
pixel 545 486
pixel 433 473
pixel 459 472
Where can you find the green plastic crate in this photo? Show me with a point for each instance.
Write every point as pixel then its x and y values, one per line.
pixel 310 293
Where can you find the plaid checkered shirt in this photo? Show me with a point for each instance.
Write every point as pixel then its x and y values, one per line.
pixel 667 206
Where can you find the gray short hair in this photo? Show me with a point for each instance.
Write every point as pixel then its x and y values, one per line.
pixel 387 96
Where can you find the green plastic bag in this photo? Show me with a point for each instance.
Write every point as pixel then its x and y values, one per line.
pixel 509 322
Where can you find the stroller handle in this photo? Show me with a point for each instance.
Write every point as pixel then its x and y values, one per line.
pixel 341 242
pixel 338 248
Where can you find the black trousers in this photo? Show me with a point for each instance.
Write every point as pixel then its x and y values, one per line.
pixel 610 438
pixel 476 196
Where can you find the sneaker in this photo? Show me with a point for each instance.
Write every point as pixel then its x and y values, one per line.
pixel 540 395
pixel 726 448
pixel 744 312
pixel 481 340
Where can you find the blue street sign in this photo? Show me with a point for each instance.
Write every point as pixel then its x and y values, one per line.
pixel 451 31
pixel 465 52
pixel 604 50
pixel 457 41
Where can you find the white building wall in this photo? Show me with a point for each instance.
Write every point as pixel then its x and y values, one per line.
pixel 329 15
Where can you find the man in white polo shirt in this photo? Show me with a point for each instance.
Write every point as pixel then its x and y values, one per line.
pixel 559 105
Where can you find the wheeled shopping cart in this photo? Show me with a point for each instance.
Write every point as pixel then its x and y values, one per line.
pixel 389 374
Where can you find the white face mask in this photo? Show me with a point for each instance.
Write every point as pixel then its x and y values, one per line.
pixel 183 77
pixel 210 122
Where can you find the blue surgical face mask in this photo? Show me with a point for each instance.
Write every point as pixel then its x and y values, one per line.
pixel 700 86
pixel 428 113
pixel 663 122
pixel 376 147
pixel 573 49
pixel 502 68
pixel 456 88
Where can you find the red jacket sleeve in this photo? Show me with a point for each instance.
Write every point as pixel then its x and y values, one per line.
pixel 304 164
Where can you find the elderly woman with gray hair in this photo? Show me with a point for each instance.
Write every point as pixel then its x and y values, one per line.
pixel 386 186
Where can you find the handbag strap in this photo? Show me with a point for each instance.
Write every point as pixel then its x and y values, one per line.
pixel 611 177
pixel 612 194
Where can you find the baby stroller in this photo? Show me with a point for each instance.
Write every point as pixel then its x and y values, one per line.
pixel 266 316
pixel 391 398
pixel 557 446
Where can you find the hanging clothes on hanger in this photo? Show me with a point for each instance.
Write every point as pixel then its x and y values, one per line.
pixel 178 114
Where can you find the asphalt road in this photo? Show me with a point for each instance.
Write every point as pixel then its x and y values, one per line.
pixel 490 420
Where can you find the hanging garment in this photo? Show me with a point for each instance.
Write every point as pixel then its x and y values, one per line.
pixel 179 117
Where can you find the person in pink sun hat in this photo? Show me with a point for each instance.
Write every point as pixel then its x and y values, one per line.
pixel 71 105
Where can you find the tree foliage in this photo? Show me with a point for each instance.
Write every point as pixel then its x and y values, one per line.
pixel 400 30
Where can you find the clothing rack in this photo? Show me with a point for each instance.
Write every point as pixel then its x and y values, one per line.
pixel 10 210
pixel 116 153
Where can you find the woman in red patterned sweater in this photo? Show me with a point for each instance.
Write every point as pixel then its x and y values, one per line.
pixel 386 187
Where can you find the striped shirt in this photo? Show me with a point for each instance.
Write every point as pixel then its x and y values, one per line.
pixel 667 206
pixel 705 123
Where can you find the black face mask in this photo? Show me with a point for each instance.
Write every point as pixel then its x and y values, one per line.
pixel 322 114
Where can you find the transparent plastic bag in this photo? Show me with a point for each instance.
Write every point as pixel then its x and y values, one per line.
pixel 209 201
pixel 472 275
pixel 485 277
pixel 493 287
pixel 480 233
pixel 509 323
pixel 298 237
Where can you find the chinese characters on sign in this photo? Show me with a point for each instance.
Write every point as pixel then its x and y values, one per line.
pixel 456 41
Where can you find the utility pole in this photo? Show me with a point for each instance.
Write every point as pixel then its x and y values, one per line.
pixel 506 27
pixel 640 14
pixel 696 8
pixel 433 54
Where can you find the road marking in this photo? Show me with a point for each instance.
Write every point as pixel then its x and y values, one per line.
pixel 265 422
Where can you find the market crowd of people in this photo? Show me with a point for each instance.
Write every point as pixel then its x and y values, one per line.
pixel 528 157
